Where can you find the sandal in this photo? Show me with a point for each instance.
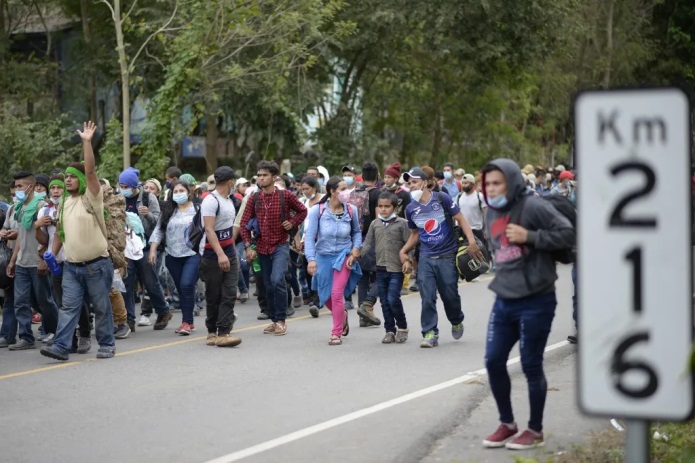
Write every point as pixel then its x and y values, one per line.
pixel 346 326
pixel 335 341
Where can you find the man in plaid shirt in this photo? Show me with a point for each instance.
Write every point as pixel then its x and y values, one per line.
pixel 273 243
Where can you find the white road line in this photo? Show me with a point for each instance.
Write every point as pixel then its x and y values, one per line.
pixel 317 428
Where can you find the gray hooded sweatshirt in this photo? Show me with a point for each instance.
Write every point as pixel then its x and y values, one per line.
pixel 529 269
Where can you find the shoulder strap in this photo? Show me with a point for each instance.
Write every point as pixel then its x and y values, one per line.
pixel 282 206
pixel 447 213
pixel 145 198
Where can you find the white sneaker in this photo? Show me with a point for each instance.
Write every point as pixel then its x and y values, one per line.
pixel 144 321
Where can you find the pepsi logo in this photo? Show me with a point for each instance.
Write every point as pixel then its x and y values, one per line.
pixel 431 226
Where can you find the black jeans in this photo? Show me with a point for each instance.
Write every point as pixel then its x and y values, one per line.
pixel 220 293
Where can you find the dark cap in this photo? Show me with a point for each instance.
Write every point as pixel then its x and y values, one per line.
pixel 42 179
pixel 223 174
pixel 416 173
pixel 349 168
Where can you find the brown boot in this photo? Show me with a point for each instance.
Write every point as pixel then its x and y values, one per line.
pixel 366 310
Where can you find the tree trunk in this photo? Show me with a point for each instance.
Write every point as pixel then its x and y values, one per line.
pixel 609 45
pixel 125 82
pixel 87 32
pixel 211 136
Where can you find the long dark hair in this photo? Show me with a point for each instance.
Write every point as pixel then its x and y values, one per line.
pixel 331 186
pixel 170 206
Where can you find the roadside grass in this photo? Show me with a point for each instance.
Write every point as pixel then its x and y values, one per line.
pixel 671 443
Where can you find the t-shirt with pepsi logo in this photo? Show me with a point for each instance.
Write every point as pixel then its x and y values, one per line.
pixel 436 236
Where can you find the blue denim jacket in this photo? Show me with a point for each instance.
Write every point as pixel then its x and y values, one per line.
pixel 334 236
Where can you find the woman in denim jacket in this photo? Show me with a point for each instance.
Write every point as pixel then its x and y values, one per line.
pixel 332 240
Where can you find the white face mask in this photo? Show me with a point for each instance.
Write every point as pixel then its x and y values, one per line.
pixel 55 201
pixel 416 195
pixel 386 219
pixel 313 195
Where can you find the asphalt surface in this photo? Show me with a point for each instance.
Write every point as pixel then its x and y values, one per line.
pixel 166 398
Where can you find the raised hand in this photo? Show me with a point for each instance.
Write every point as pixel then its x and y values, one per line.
pixel 87 131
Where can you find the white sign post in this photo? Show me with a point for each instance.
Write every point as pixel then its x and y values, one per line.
pixel 635 291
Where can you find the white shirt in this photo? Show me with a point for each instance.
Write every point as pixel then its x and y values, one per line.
pixel 472 207
pixel 51 229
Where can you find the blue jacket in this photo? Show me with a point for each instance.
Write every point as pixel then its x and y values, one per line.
pixel 329 236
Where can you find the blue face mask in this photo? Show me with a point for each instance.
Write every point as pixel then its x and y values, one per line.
pixel 447 175
pixel 41 196
pixel 20 195
pixel 167 185
pixel 128 192
pixel 180 198
pixel 349 180
pixel 498 202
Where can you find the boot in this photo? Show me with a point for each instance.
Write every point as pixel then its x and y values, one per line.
pixel 366 311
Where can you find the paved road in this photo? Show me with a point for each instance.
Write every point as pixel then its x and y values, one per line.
pixel 170 399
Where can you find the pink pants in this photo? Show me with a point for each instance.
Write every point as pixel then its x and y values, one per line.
pixel 336 304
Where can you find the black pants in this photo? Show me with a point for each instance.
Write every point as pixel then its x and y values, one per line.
pixel 220 293
pixel 260 290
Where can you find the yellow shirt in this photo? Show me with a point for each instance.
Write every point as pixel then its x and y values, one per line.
pixel 84 239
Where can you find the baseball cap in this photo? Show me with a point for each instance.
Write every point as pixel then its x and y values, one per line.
pixel 416 173
pixel 348 168
pixel 566 174
pixel 211 183
pixel 468 178
pixel 223 174
pixel 241 181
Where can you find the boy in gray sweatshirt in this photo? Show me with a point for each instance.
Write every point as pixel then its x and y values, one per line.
pixel 388 234
pixel 523 231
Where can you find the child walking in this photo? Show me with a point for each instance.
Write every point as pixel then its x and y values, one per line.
pixel 388 234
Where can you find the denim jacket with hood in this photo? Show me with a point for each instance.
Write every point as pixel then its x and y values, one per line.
pixel 528 269
pixel 327 235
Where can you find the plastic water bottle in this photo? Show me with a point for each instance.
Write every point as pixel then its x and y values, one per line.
pixel 53 265
pixel 256 266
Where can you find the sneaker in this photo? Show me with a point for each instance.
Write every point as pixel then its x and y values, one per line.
pixel 192 327
pixel 144 321
pixel 527 440
pixel 280 329
pixel 263 316
pixel 106 352
pixel 84 345
pixel 572 338
pixel 290 311
pixel 36 318
pixel 297 302
pixel 314 311
pixel 162 320
pixel 430 340
pixel 22 344
pixel 401 335
pixel 244 297
pixel 184 329
pixel 54 353
pixel 227 340
pixel 501 436
pixel 122 331
pixel 270 329
pixel 457 331
pixel 390 338
pixel 4 343
pixel 211 340
pixel 131 325
pixel 47 338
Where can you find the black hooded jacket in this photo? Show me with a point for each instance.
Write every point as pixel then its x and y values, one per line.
pixel 529 269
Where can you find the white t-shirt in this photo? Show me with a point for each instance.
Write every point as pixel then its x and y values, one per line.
pixel 224 222
pixel 472 207
pixel 51 229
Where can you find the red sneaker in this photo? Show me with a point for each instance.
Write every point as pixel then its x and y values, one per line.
pixel 184 329
pixel 192 328
pixel 500 437
pixel 527 440
pixel 36 318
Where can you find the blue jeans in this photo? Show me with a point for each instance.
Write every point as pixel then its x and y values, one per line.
pixel 145 272
pixel 390 285
pixel 184 271
pixel 92 282
pixel 274 268
pixel 243 268
pixel 27 281
pixel 527 320
pixel 438 274
pixel 574 295
pixel 8 330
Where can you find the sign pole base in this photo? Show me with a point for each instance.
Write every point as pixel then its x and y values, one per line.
pixel 637 442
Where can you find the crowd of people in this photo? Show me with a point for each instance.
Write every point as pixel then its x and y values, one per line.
pixel 77 254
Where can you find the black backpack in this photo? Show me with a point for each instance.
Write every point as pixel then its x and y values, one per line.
pixel 565 207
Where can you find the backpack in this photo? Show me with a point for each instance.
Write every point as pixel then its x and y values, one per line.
pixel 565 208
pixel 360 199
pixel 145 200
pixel 195 231
pixel 468 268
pixel 115 225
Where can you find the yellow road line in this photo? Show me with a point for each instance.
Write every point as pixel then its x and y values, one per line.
pixel 167 344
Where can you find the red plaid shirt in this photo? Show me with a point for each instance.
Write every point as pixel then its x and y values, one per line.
pixel 270 219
